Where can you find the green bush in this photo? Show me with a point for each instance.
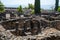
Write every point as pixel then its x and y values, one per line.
pixel 32 12
pixel 58 9
pixel 31 6
pixel 20 9
pixel 1 7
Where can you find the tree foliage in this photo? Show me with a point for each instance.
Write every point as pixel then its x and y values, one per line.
pixel 56 5
pixel 32 12
pixel 58 9
pixel 1 7
pixel 31 6
pixel 20 9
pixel 37 7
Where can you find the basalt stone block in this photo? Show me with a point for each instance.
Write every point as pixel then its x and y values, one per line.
pixel 18 33
pixel 9 25
pixel 5 25
pixel 57 24
pixel 27 25
pixel 19 29
pixel 44 24
pixel 35 27
pixel 53 24
pixel 49 18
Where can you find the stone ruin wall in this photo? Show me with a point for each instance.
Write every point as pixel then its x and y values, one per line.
pixel 21 23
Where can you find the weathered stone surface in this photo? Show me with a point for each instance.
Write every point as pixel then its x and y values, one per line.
pixel 8 33
pixel 57 24
pixel 48 33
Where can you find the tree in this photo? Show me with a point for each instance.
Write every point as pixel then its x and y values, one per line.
pixel 56 5
pixel 1 7
pixel 31 6
pixel 37 7
pixel 20 9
